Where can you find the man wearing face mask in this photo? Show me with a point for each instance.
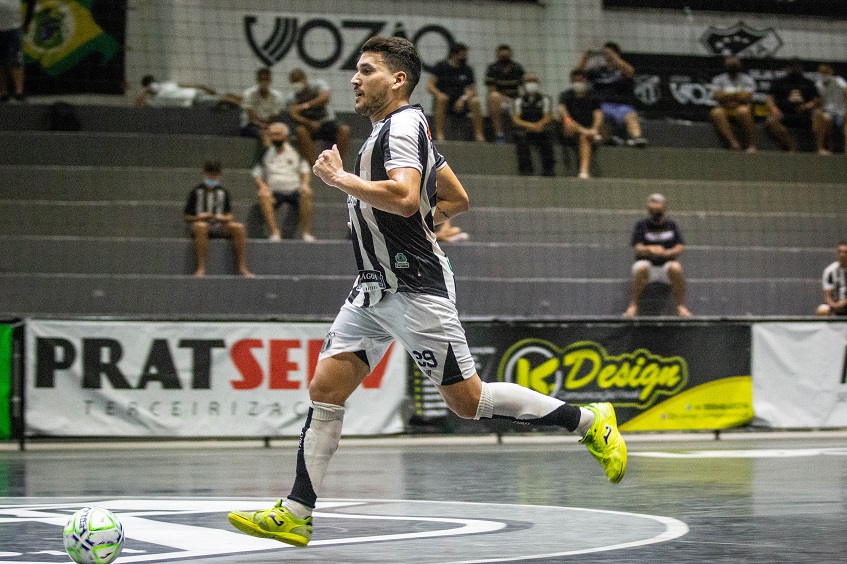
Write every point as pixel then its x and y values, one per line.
pixel 453 89
pixel 581 117
pixel 531 116
pixel 262 106
pixel 833 93
pixel 613 80
pixel 208 212
pixel 733 92
pixel 283 177
pixel 503 79
pixel 792 101
pixel 658 244
pixel 314 119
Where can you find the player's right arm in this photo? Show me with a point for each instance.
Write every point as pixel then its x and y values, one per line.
pixel 400 194
pixel 451 198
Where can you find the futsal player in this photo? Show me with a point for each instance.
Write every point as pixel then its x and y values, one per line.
pixel 400 189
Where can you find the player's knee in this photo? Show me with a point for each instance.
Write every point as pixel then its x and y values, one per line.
pixel 674 268
pixel 200 228
pixel 717 113
pixel 823 310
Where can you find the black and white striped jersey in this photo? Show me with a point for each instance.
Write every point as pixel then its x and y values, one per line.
pixel 835 279
pixel 208 200
pixel 396 253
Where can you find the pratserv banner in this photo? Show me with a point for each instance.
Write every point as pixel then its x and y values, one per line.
pixel 800 374
pixel 88 378
pixel 658 376
pixel 5 380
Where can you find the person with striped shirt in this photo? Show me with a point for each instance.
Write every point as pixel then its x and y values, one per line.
pixel 835 285
pixel 400 188
pixel 208 212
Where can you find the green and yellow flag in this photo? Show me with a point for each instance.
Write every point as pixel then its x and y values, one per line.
pixel 62 33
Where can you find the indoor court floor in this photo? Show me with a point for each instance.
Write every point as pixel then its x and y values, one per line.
pixel 749 497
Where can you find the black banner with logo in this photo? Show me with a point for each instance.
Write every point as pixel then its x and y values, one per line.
pixel 76 47
pixel 679 86
pixel 659 376
pixel 826 8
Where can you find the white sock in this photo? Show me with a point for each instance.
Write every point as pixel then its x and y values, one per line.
pixel 319 443
pixel 586 420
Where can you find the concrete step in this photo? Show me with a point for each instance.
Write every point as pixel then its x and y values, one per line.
pixel 138 256
pixel 295 297
pixel 485 224
pixel 111 183
pixel 135 149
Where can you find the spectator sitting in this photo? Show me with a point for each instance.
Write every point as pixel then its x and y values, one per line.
pixel 531 116
pixel 792 101
pixel 315 120
pixel 503 79
pixel 835 285
pixel 169 94
pixel 733 92
pixel 613 80
pixel 208 211
pixel 446 231
pixel 658 244
pixel 581 117
pixel 453 90
pixel 283 176
pixel 262 106
pixel 12 27
pixel 833 94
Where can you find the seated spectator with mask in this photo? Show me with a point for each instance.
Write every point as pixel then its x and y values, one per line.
pixel 453 89
pixel 314 119
pixel 282 176
pixel 531 118
pixel 581 117
pixel 733 93
pixel 833 94
pixel 791 102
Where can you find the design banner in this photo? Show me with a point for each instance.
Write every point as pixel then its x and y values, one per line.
pixel 5 380
pixel 800 374
pixel 659 376
pixel 187 379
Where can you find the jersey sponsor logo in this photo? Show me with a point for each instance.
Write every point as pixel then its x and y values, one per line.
pixel 371 281
pixel 400 261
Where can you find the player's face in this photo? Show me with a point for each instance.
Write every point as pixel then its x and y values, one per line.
pixel 842 255
pixel 372 85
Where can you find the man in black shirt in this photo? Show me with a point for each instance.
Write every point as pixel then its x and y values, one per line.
pixel 791 101
pixel 453 90
pixel 503 79
pixel 581 117
pixel 531 117
pixel 613 80
pixel 658 244
pixel 208 211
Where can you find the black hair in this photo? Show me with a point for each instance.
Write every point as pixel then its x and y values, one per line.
pixel 399 55
pixel 213 167
pixel 613 46
pixel 148 80
pixel 456 48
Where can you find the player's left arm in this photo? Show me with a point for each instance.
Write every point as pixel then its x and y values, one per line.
pixel 400 194
pixel 451 198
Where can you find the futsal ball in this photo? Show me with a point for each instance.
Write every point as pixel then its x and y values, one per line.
pixel 93 535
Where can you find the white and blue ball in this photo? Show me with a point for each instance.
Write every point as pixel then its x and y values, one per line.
pixel 94 535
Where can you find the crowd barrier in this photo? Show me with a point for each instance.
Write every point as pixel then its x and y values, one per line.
pixel 200 379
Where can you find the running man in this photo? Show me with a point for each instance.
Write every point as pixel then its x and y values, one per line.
pixel 400 189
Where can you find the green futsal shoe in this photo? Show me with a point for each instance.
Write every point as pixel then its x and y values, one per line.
pixel 605 442
pixel 276 523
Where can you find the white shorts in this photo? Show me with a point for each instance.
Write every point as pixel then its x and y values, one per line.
pixel 658 273
pixel 427 326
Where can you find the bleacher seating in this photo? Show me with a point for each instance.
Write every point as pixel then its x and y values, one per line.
pixel 93 227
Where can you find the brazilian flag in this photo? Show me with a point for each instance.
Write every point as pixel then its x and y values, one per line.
pixel 75 46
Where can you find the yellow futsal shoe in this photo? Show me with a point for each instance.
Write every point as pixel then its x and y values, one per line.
pixel 276 523
pixel 605 442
